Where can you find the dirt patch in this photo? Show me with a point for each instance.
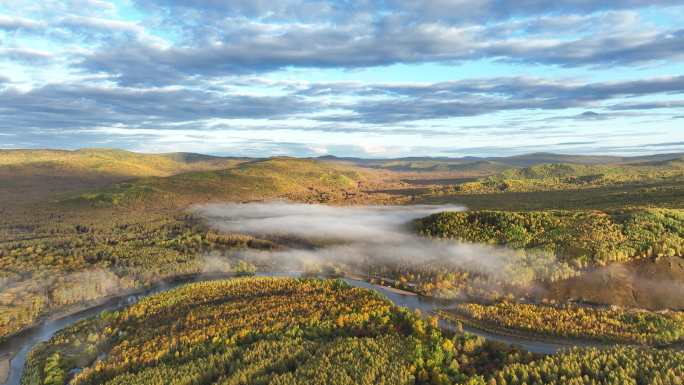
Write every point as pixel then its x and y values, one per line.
pixel 649 284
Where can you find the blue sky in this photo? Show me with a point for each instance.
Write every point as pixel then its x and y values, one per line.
pixel 349 78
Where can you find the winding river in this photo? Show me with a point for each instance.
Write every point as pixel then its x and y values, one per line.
pixel 20 345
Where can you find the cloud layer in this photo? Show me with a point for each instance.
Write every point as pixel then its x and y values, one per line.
pixel 335 73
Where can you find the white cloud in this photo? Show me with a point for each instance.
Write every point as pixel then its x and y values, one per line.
pixel 221 76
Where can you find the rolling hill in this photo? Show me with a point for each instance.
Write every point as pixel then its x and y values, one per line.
pixel 105 176
pixel 516 161
pixel 111 162
pixel 275 178
pixel 584 238
pixel 565 176
pixel 35 175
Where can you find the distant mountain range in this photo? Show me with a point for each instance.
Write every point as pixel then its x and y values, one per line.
pixel 32 175
pixel 524 160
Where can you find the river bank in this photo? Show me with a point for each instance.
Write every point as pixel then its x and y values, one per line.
pixel 14 348
pixel 18 346
pixel 4 367
pixel 472 324
pixel 359 277
pixel 573 341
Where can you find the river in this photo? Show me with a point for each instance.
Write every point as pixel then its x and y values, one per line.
pixel 20 345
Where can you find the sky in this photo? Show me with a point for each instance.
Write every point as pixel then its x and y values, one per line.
pixel 374 79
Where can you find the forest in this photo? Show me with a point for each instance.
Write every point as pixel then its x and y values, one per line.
pixel 263 330
pixel 70 260
pixel 596 366
pixel 304 331
pixel 582 238
pixel 564 176
pixel 80 246
pixel 340 192
pixel 95 244
pixel 570 320
pixel 124 222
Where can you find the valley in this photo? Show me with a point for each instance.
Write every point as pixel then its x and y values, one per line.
pixel 506 258
pixel 328 192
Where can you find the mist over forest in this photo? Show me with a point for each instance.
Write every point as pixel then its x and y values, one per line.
pixel 359 237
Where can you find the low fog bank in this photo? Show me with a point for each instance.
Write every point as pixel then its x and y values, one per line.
pixel 63 288
pixel 24 300
pixel 375 224
pixel 645 284
pixel 363 236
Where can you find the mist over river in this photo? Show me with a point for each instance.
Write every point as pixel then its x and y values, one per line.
pixel 351 236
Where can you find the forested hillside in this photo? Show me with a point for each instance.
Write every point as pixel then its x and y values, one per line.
pixel 287 331
pixel 515 161
pixel 626 257
pixel 99 233
pixel 40 175
pixel 462 168
pixel 564 176
pixel 597 366
pixel 263 330
pixel 58 260
pixel 584 238
pixel 90 245
pixel 284 178
pixel 110 161
pixel 577 321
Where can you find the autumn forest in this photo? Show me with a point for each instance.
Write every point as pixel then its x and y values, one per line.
pixel 193 269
